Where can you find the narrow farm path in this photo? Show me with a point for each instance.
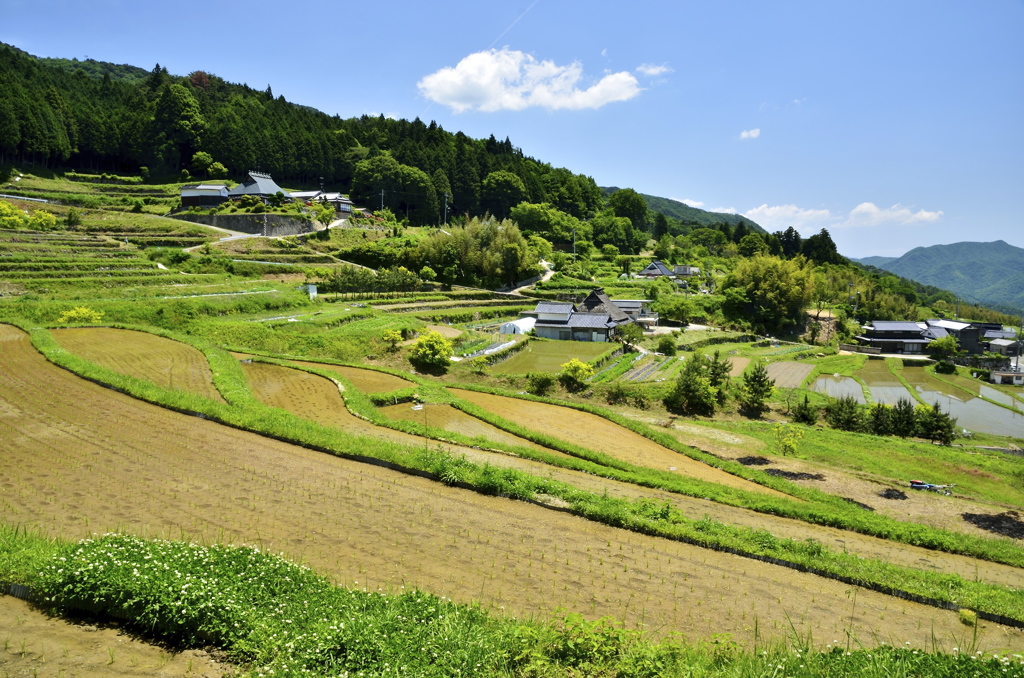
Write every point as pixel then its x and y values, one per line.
pixel 81 459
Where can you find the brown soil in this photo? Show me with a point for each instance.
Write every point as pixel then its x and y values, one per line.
pixel 789 374
pixel 81 459
pixel 1007 524
pixel 926 508
pixel 738 365
pixel 165 362
pixel 601 435
pixel 451 419
pixel 445 331
pixel 367 381
pixel 37 644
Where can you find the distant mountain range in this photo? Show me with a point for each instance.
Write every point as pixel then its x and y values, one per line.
pixel 987 273
pixel 690 215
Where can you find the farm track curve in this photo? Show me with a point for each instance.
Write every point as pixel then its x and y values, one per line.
pixel 81 459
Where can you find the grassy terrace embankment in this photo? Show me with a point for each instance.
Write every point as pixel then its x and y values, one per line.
pixel 275 618
pixel 641 516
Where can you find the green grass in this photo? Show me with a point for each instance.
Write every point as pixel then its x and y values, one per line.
pixel 275 618
pixel 989 476
pixel 549 356
pixel 640 515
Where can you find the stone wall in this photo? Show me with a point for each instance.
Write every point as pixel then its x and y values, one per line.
pixel 274 225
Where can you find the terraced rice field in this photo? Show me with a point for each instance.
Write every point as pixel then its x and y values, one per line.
pixel 884 387
pixel 165 362
pixel 788 374
pixel 81 459
pixel 318 399
pixel 549 356
pixel 601 435
pixel 41 645
pixel 739 364
pixel 367 381
pixel 839 387
pixel 451 419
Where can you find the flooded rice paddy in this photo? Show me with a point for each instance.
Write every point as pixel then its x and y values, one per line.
pixel 839 387
pixel 884 387
pixel 971 413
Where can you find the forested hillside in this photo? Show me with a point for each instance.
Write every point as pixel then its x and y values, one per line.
pixel 58 116
pixel 988 273
pixel 691 216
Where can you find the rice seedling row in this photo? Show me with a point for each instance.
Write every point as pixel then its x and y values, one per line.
pixel 81 470
pixel 168 363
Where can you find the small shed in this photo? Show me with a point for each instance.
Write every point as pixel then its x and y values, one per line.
pixel 520 326
pixel 1008 378
pixel 203 195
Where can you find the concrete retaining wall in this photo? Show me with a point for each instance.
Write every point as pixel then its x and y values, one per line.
pixel 273 225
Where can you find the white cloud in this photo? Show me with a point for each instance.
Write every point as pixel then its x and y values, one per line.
pixel 496 80
pixel 604 52
pixel 781 217
pixel 723 210
pixel 750 133
pixel 691 203
pixel 653 70
pixel 869 214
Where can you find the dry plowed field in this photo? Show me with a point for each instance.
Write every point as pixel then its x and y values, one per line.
pixel 738 365
pixel 457 421
pixel 80 459
pixel 165 362
pixel 599 434
pixel 788 373
pixel 367 381
pixel 317 398
pixel 313 397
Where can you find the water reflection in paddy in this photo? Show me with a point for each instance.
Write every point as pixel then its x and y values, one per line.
pixel 839 387
pixel 884 387
pixel 971 413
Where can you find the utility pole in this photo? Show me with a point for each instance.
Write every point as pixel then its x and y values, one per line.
pixel 445 209
pixel 321 184
pixel 574 244
pixel 382 198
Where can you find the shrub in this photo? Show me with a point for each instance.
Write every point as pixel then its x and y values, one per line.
pixel 80 315
pixel 757 388
pixel 431 351
pixel 575 374
pixel 945 367
pixel 74 218
pixel 805 413
pixel 392 338
pixel 844 414
pixel 667 345
pixel 540 383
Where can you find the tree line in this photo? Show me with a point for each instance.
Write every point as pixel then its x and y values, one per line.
pixel 60 118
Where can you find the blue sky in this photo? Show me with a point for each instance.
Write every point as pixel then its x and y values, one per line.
pixel 892 124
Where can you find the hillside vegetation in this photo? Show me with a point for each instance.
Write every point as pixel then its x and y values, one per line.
pixel 987 273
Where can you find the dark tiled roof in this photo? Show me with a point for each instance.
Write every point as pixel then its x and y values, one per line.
pixel 936 332
pixel 657 267
pixel 553 307
pixel 597 321
pixel 257 184
pixel 895 326
pixel 598 302
pixel 1000 334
